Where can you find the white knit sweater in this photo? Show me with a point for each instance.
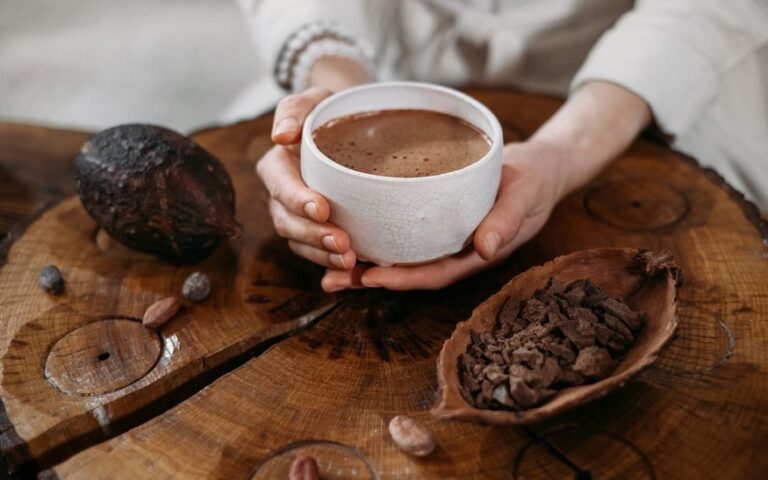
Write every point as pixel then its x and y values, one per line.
pixel 702 65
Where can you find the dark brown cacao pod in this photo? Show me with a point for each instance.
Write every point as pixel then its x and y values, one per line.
pixel 156 191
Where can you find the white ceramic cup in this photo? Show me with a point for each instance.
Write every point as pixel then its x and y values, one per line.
pixel 398 220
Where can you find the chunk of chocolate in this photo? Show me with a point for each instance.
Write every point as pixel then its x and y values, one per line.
pixel 565 335
pixel 573 295
pixel 537 330
pixel 585 326
pixel 548 373
pixel 570 378
pixel 568 327
pixel 554 316
pixel 522 372
pixel 560 350
pixel 555 286
pixel 521 393
pixel 509 321
pixel 622 311
pixel 584 315
pixel 592 294
pixel 533 357
pixel 619 328
pixel 534 311
pixel 486 388
pixel 509 310
pixel 603 333
pixel 495 374
pixel 594 362
pixel 506 354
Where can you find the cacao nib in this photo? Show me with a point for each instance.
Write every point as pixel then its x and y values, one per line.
pixel 621 311
pixel 594 362
pixel 534 311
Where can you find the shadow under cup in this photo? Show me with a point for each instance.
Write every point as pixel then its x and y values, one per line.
pixel 398 220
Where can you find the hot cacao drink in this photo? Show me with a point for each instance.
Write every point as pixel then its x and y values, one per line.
pixel 401 143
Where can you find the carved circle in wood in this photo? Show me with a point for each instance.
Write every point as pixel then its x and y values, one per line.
pixel 103 356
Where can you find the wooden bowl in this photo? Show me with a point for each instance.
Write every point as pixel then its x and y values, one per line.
pixel 646 281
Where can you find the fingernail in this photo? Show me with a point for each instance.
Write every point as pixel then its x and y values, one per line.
pixel 285 125
pixel 368 282
pixel 492 241
pixel 310 209
pixel 337 260
pixel 330 243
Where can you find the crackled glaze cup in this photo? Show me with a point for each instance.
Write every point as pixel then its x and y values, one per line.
pixel 399 220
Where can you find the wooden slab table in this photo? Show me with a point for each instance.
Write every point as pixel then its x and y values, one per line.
pixel 270 367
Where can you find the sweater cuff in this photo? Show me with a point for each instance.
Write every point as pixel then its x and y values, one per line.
pixel 278 20
pixel 673 77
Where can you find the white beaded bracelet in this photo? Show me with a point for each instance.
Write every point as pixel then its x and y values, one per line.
pixel 323 48
pixel 310 43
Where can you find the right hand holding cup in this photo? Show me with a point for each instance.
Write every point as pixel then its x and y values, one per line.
pixel 300 214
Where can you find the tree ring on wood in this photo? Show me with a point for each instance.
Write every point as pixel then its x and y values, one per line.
pixel 103 356
pixel 704 341
pixel 636 204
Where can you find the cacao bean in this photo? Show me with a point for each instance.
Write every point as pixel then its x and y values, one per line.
pixel 51 280
pixel 304 468
pixel 196 287
pixel 411 436
pixel 160 312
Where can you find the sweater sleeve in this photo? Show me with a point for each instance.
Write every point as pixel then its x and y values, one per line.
pixel 673 53
pixel 272 22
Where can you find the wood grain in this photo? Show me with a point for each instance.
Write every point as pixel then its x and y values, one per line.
pixel 59 394
pixel 699 412
pixel 35 172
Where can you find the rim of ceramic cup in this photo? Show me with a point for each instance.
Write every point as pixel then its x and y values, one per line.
pixel 495 135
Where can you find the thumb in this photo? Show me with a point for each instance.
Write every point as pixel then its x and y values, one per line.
pixel 291 112
pixel 501 224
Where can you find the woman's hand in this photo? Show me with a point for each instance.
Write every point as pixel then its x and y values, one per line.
pixel 532 180
pixel 300 214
